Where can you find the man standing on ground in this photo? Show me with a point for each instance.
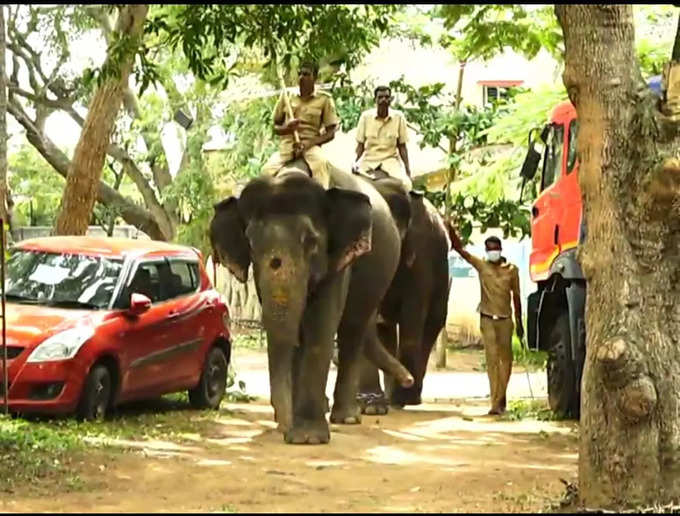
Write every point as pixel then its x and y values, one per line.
pixel 312 112
pixel 381 140
pixel 498 280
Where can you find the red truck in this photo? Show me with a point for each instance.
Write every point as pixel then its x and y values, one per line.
pixel 556 311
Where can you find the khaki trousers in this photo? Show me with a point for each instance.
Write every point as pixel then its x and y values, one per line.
pixel 497 338
pixel 313 156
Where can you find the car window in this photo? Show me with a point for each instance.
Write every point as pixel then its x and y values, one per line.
pixel 552 164
pixel 146 281
pixel 61 279
pixel 181 278
pixel 571 155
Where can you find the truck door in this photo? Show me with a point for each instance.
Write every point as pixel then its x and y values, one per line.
pixel 546 213
pixel 570 223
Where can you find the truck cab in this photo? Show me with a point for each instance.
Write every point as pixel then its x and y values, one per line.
pixel 556 311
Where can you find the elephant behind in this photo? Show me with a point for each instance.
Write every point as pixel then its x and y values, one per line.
pixel 322 262
pixel 416 301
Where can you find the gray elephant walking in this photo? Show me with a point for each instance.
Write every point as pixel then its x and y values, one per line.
pixel 414 309
pixel 322 262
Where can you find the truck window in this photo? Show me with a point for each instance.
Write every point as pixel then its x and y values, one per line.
pixel 571 153
pixel 552 164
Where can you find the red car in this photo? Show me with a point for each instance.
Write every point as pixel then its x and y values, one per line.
pixel 94 322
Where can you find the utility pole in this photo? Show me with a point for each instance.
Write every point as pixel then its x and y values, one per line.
pixel 3 119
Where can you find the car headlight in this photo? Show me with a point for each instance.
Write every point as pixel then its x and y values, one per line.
pixel 61 346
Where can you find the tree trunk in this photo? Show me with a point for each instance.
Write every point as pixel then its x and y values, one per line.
pixel 82 182
pixel 630 431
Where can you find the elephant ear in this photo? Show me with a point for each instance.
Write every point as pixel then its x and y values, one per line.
pixel 228 239
pixel 349 227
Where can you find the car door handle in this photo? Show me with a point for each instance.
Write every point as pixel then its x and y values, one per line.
pixel 173 315
pixel 534 211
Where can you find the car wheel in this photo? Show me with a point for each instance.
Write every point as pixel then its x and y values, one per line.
pixel 562 394
pixel 209 392
pixel 96 396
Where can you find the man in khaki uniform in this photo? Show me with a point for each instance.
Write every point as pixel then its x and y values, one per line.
pixel 381 140
pixel 498 280
pixel 312 112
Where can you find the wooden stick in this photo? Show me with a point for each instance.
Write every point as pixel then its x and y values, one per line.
pixel 286 101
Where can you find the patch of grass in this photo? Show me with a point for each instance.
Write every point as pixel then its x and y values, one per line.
pixel 532 360
pixel 249 339
pixel 519 502
pixel 37 450
pixel 529 409
pixel 30 453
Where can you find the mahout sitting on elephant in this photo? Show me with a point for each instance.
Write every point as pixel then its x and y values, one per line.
pixel 322 263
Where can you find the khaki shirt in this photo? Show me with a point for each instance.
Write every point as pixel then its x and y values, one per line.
pixel 496 282
pixel 314 113
pixel 381 136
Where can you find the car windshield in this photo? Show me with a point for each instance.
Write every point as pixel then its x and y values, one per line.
pixel 64 280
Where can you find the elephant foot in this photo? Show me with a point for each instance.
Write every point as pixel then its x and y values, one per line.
pixel 284 424
pixel 309 433
pixel 372 404
pixel 402 397
pixel 346 416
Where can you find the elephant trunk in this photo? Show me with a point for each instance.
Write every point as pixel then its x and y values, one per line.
pixel 380 357
pixel 283 289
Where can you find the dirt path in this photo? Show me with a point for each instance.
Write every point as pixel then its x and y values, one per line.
pixel 436 457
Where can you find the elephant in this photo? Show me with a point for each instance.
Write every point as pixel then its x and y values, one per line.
pixel 322 262
pixel 416 301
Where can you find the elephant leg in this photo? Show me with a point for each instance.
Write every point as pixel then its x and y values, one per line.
pixel 387 333
pixel 434 325
pixel 350 342
pixel 312 364
pixel 411 325
pixel 371 398
pixel 369 378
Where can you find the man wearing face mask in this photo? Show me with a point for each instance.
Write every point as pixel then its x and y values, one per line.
pixel 313 111
pixel 498 280
pixel 381 140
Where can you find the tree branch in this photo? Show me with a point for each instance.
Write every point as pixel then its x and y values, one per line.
pixel 131 213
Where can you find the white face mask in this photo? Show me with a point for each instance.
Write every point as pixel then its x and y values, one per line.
pixel 493 256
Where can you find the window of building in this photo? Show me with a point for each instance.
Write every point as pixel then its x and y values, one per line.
pixel 495 90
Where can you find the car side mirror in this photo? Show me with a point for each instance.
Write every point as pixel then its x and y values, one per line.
pixel 139 304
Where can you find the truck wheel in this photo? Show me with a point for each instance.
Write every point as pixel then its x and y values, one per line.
pixel 96 396
pixel 562 395
pixel 209 392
